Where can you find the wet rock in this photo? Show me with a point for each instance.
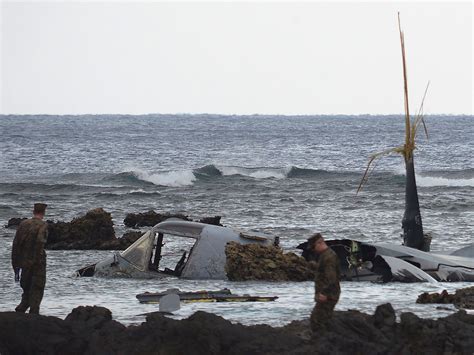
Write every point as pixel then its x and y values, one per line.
pixel 92 316
pixel 462 298
pixel 443 297
pixel 95 230
pixel 384 315
pixel 150 218
pixel 260 262
pixel 14 222
pixel 91 330
pixel 216 220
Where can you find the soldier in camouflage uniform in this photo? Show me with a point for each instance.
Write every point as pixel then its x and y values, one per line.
pixel 29 258
pixel 327 276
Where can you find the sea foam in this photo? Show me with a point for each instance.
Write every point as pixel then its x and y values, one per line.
pixel 170 178
pixel 256 173
pixel 431 181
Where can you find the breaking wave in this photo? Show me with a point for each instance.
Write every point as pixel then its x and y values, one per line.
pixel 210 172
pixel 171 178
pixel 431 181
pixel 256 173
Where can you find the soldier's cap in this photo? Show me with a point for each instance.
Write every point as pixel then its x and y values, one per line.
pixel 313 239
pixel 39 207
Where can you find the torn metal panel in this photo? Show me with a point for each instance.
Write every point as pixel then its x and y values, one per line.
pixel 406 272
pixel 386 262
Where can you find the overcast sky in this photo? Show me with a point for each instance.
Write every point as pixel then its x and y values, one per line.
pixel 234 57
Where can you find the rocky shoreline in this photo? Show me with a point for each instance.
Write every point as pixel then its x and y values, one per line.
pixel 92 330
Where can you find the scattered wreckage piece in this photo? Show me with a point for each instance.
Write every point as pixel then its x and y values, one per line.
pixel 386 262
pixel 159 252
pixel 224 295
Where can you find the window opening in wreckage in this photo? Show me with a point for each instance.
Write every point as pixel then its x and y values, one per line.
pixel 170 253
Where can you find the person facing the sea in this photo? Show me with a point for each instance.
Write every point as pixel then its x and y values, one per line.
pixel 29 258
pixel 327 288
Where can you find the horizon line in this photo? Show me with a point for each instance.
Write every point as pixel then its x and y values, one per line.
pixel 231 114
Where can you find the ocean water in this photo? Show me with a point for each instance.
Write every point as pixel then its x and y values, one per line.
pixel 288 176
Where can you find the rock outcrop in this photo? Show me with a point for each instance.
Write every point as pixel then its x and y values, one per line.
pixel 92 231
pixel 95 230
pixel 91 330
pixel 216 220
pixel 150 218
pixel 462 298
pixel 14 222
pixel 259 262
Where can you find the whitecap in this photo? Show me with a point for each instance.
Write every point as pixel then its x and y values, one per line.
pixel 430 181
pixel 170 178
pixel 256 173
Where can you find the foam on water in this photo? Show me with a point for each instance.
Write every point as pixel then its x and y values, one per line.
pixel 430 181
pixel 238 168
pixel 170 178
pixel 296 299
pixel 256 173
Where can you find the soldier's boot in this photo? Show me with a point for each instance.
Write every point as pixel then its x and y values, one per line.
pixel 34 310
pixel 22 307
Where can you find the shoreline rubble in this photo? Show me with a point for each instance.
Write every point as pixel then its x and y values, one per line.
pixel 91 329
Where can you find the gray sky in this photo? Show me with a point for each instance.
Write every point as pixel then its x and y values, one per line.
pixel 233 57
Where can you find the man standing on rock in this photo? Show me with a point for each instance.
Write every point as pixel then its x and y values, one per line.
pixel 327 288
pixel 29 258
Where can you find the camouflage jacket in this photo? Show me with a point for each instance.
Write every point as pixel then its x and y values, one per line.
pixel 28 245
pixel 327 275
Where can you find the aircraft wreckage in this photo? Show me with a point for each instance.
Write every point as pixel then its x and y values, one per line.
pixel 385 262
pixel 192 250
pixel 360 261
pixel 159 252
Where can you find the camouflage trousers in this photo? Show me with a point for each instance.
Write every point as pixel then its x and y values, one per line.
pixel 32 282
pixel 321 314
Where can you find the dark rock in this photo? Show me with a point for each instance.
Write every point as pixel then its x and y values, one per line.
pixel 384 315
pixel 95 230
pixel 90 330
pixel 150 218
pixel 216 220
pixel 93 316
pixel 14 222
pixel 462 298
pixel 443 297
pixel 87 232
pixel 260 262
